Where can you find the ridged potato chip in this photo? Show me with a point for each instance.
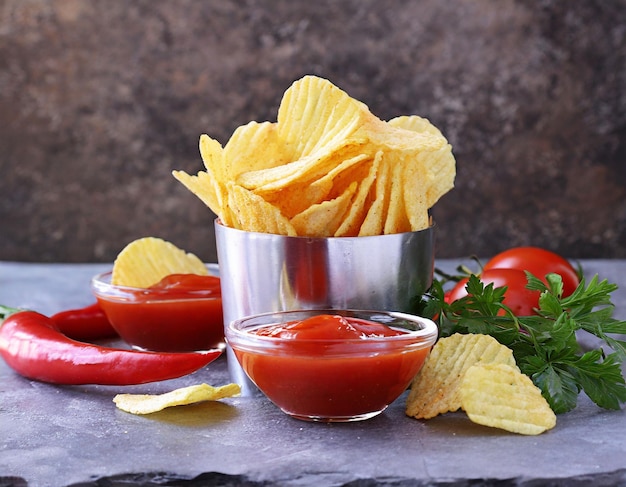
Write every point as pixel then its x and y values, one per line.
pixel 252 147
pixel 152 403
pixel 412 184
pixel 500 396
pixel 206 187
pixel 209 185
pixel 147 260
pixel 304 170
pixel 437 165
pixel 415 123
pixel 374 221
pixel 315 114
pixel 212 154
pixel 323 219
pixel 396 220
pixel 253 212
pixel 436 388
pixel 296 198
pixel 353 221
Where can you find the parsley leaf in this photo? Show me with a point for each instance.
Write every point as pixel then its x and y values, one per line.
pixel 546 345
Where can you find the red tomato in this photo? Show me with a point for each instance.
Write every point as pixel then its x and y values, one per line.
pixel 522 301
pixel 538 262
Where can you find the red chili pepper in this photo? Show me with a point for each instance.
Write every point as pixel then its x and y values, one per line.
pixel 31 344
pixel 84 324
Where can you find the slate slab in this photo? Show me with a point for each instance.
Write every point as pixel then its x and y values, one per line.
pixel 74 436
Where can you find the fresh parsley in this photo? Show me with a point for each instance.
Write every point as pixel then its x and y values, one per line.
pixel 547 345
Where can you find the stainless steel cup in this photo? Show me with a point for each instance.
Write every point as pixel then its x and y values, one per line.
pixel 263 273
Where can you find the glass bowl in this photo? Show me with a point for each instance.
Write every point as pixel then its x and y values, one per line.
pixel 322 378
pixel 155 319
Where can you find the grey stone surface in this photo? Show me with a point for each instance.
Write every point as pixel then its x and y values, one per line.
pixel 73 435
pixel 100 100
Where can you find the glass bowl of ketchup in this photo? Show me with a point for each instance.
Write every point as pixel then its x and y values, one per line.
pixel 182 313
pixel 332 365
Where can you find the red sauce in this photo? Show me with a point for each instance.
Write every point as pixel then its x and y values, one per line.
pixel 315 374
pixel 180 285
pixel 325 327
pixel 181 313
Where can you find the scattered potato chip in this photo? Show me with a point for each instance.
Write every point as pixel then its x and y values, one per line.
pixel 152 403
pixel 303 166
pixel 436 388
pixel 146 261
pixel 500 396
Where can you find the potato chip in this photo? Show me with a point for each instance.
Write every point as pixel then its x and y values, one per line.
pixel 436 388
pixel 400 140
pixel 500 396
pixel 415 123
pixel 250 211
pixel 396 220
pixel 374 221
pixel 306 169
pixel 437 165
pixel 366 193
pixel 315 114
pixel 254 146
pixel 152 403
pixel 212 154
pixel 146 261
pixel 413 149
pixel 414 186
pixel 323 219
pixel 440 168
pixel 347 172
pixel 206 187
pixel 298 197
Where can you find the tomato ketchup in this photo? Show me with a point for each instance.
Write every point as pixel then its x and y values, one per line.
pixel 327 327
pixel 331 367
pixel 183 312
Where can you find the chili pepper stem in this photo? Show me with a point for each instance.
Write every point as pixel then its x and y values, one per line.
pixel 6 311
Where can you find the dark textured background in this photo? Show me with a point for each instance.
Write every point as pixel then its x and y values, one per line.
pixel 100 100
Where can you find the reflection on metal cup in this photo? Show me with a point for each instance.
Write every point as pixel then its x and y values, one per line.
pixel 263 272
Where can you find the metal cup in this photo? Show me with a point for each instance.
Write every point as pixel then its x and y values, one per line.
pixel 263 272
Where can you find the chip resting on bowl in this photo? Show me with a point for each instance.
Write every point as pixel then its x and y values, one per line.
pixel 436 388
pixel 327 167
pixel 500 396
pixel 146 261
pixel 152 403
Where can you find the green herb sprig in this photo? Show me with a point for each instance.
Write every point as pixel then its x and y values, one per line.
pixel 546 346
